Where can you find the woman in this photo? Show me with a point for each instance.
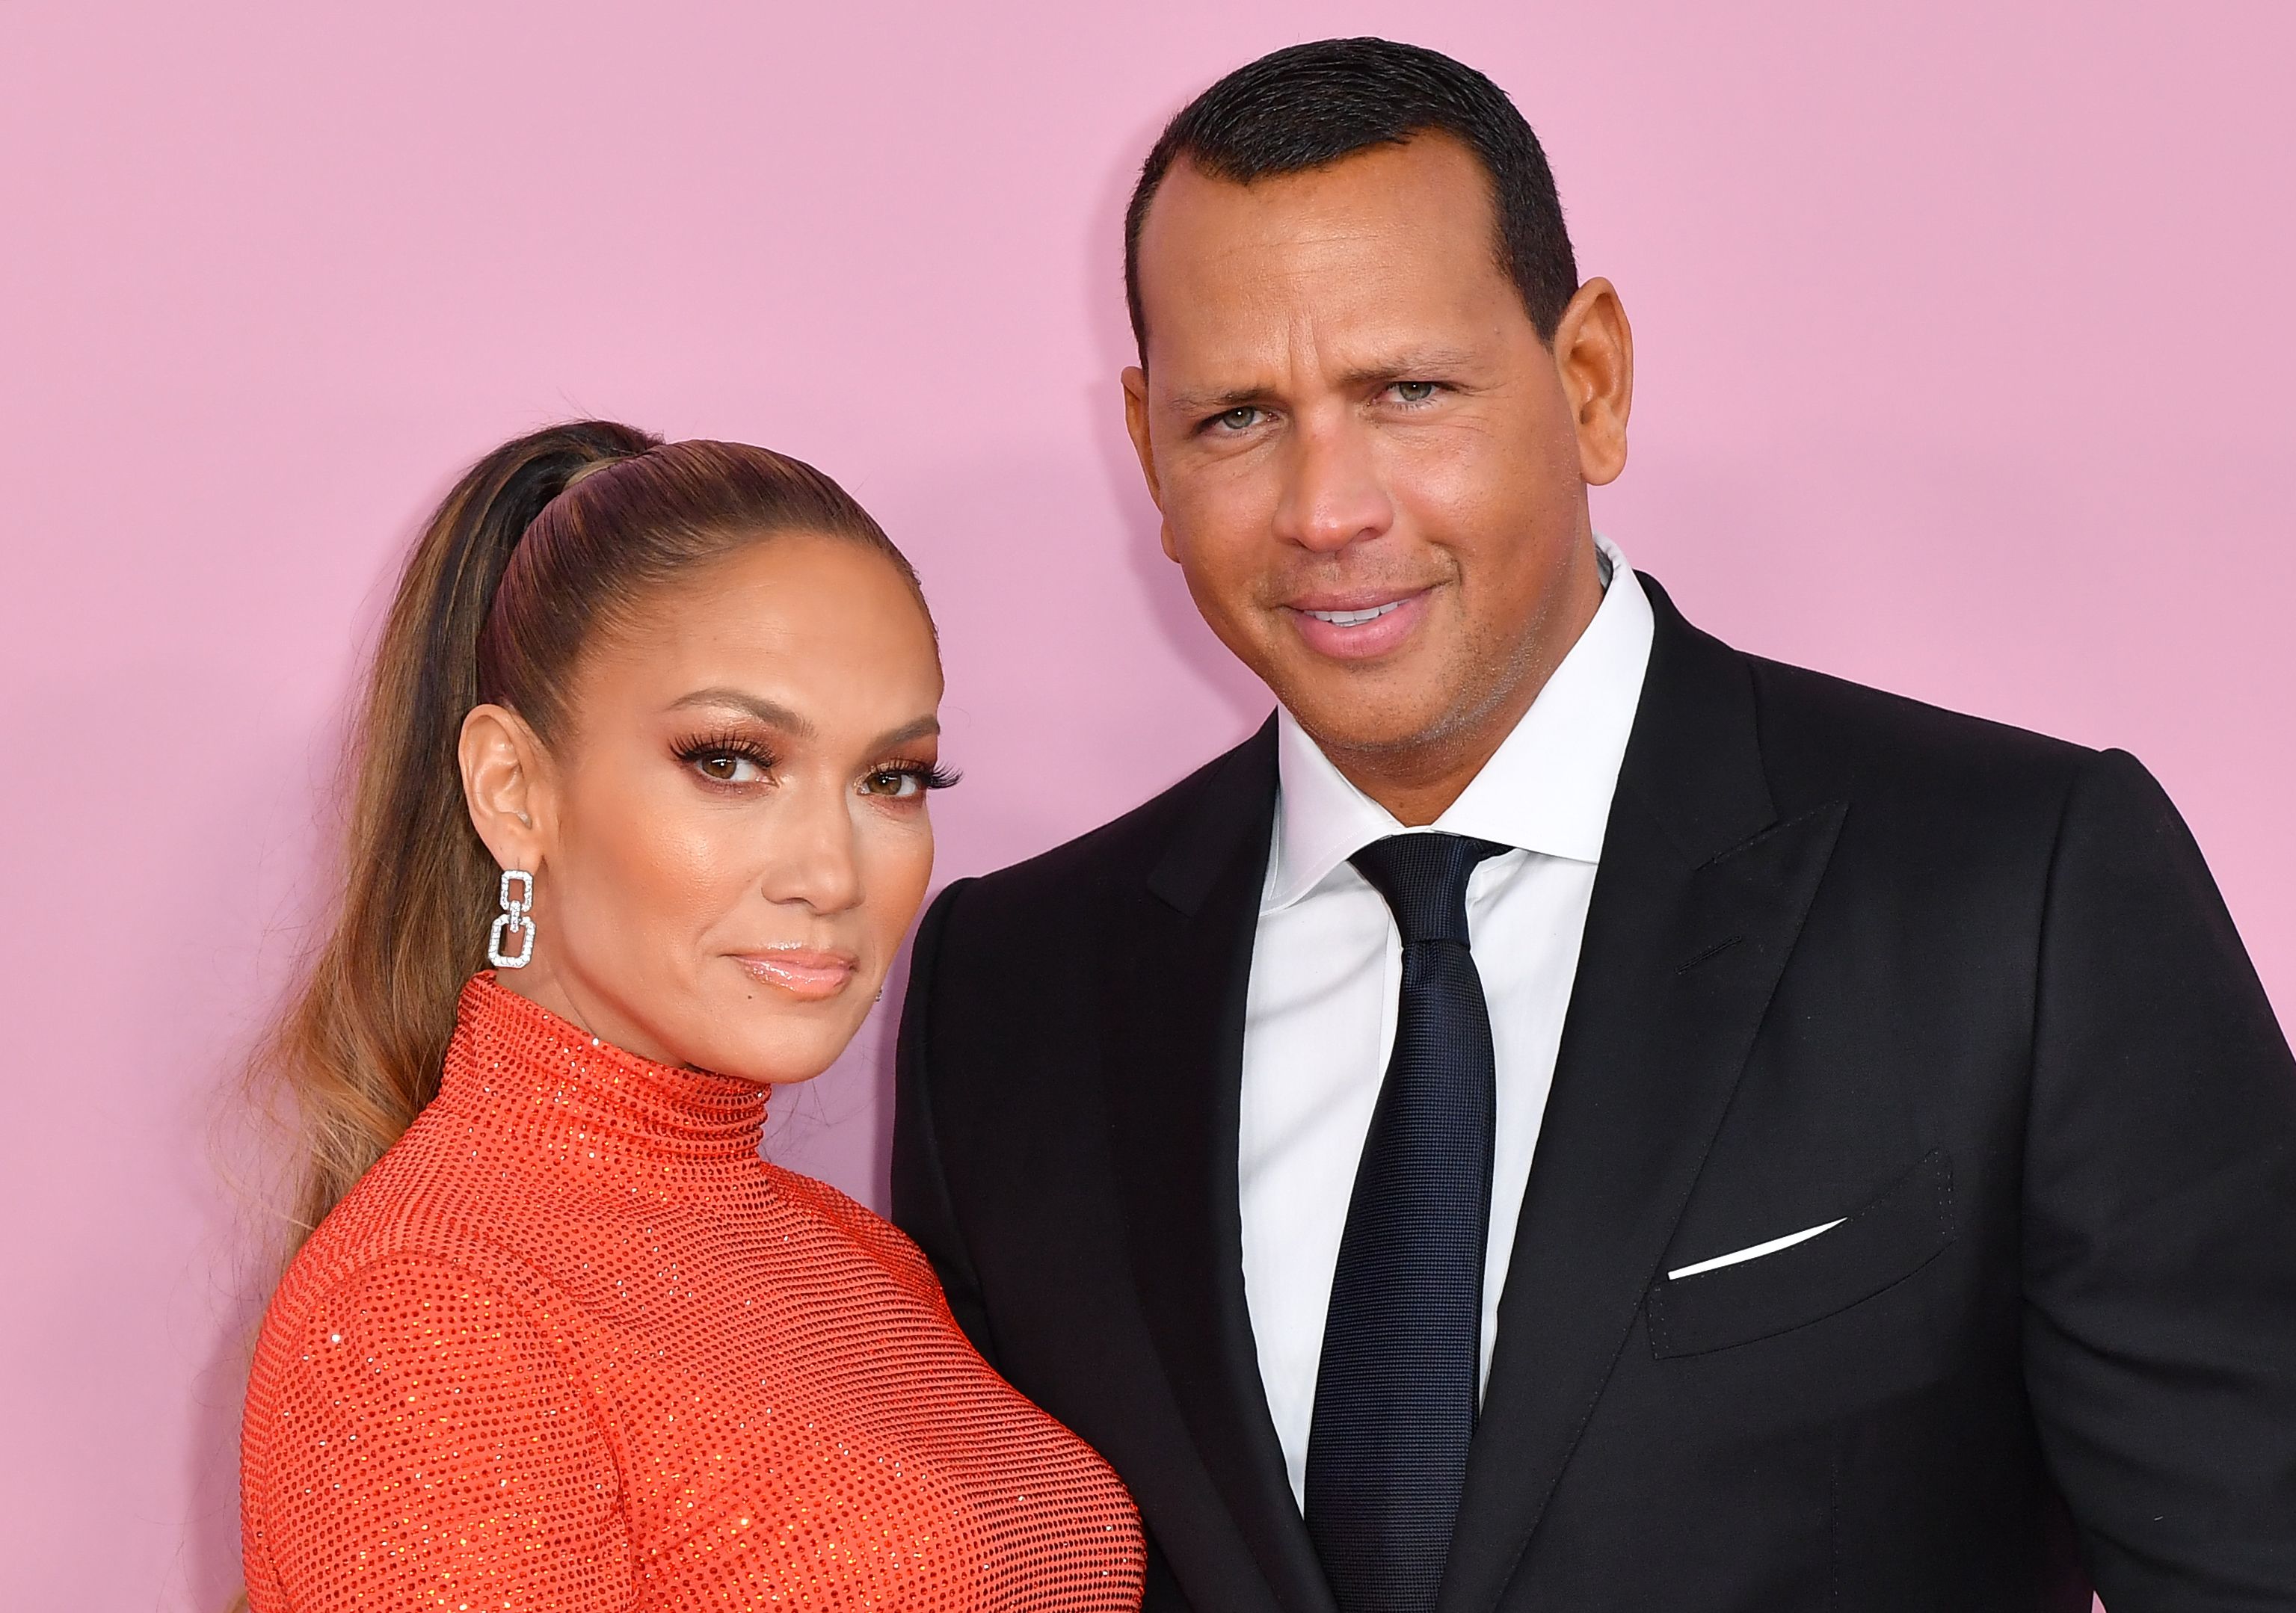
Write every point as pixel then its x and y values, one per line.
pixel 652 729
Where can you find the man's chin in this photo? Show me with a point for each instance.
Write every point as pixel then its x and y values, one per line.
pixel 1365 727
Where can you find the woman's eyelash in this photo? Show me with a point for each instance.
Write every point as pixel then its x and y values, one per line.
pixel 724 744
pixel 701 748
pixel 929 775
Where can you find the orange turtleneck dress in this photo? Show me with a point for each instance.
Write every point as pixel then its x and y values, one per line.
pixel 572 1344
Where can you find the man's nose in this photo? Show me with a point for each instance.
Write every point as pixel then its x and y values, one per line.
pixel 1333 494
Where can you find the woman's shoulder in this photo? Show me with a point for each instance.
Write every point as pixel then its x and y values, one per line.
pixel 407 1216
pixel 405 1280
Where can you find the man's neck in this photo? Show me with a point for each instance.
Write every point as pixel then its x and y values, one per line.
pixel 1417 786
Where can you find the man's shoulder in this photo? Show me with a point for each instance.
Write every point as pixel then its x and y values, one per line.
pixel 1825 737
pixel 1121 853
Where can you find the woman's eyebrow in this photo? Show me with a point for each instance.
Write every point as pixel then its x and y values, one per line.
pixel 766 711
pixel 924 728
pixel 774 714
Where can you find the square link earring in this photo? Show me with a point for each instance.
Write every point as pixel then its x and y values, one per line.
pixel 513 921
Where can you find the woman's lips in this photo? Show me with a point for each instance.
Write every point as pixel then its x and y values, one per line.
pixel 1356 629
pixel 802 972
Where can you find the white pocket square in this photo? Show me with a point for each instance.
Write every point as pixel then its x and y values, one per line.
pixel 1753 1252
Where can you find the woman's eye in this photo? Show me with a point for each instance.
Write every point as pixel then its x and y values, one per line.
pixel 1414 391
pixel 893 783
pixel 723 767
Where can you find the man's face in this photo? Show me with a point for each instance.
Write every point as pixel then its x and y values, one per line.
pixel 1369 465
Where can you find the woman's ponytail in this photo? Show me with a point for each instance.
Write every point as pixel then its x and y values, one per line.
pixel 359 1048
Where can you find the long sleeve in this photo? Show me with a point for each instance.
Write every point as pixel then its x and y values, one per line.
pixel 428 1449
pixel 2160 1218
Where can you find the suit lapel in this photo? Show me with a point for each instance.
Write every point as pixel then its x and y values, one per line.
pixel 1699 900
pixel 1176 964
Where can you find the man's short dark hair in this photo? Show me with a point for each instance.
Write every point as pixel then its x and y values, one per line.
pixel 1307 106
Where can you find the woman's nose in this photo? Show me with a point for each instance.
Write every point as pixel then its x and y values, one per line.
pixel 815 860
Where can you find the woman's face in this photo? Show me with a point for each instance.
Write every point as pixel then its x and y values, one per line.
pixel 728 837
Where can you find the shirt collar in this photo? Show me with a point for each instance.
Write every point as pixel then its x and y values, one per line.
pixel 1548 788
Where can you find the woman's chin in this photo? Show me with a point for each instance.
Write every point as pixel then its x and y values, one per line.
pixel 778 1043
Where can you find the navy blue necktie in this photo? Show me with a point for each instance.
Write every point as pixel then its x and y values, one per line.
pixel 1396 1390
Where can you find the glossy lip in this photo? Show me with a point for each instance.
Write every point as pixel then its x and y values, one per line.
pixel 804 972
pixel 1365 640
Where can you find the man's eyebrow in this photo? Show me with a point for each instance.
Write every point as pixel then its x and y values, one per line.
pixel 1428 364
pixel 773 714
pixel 1216 401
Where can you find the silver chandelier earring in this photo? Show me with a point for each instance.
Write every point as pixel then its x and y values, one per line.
pixel 513 921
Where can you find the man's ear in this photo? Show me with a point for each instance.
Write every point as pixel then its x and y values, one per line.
pixel 505 786
pixel 1595 360
pixel 1136 426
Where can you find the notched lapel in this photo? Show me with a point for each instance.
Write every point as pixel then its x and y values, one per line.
pixel 1652 1052
pixel 1177 965
pixel 1699 900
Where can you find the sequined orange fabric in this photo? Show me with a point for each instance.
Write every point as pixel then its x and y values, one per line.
pixel 573 1345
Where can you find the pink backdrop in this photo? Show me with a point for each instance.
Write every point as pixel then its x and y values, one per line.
pixel 1966 350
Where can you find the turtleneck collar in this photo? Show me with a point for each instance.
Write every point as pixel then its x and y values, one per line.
pixel 515 1064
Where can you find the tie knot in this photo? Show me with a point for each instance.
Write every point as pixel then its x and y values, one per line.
pixel 1424 878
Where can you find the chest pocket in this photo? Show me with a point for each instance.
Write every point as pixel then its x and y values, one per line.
pixel 1874 1249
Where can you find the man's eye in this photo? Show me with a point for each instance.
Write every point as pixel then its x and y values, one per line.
pixel 1414 391
pixel 1239 419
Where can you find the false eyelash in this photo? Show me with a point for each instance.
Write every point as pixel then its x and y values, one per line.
pixel 724 744
pixel 929 775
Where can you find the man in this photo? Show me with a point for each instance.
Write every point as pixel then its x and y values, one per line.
pixel 1569 1115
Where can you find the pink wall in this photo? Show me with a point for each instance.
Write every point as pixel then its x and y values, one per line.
pixel 1966 351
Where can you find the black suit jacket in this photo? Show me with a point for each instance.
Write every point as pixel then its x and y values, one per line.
pixel 1848 956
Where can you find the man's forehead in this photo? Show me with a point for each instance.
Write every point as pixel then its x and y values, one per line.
pixel 1393 235
pixel 1430 178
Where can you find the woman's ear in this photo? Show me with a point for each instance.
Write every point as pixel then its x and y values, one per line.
pixel 506 786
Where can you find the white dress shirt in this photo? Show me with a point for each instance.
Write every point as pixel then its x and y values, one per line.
pixel 1327 968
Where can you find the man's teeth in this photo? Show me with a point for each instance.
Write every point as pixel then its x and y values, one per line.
pixel 1354 618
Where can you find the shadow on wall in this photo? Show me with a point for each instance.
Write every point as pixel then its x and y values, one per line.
pixel 219 1392
pixel 293 784
pixel 248 1167
pixel 1102 259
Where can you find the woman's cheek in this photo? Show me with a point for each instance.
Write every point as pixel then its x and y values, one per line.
pixel 688 857
pixel 902 856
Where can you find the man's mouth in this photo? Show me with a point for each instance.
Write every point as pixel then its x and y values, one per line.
pixel 1354 618
pixel 1361 629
